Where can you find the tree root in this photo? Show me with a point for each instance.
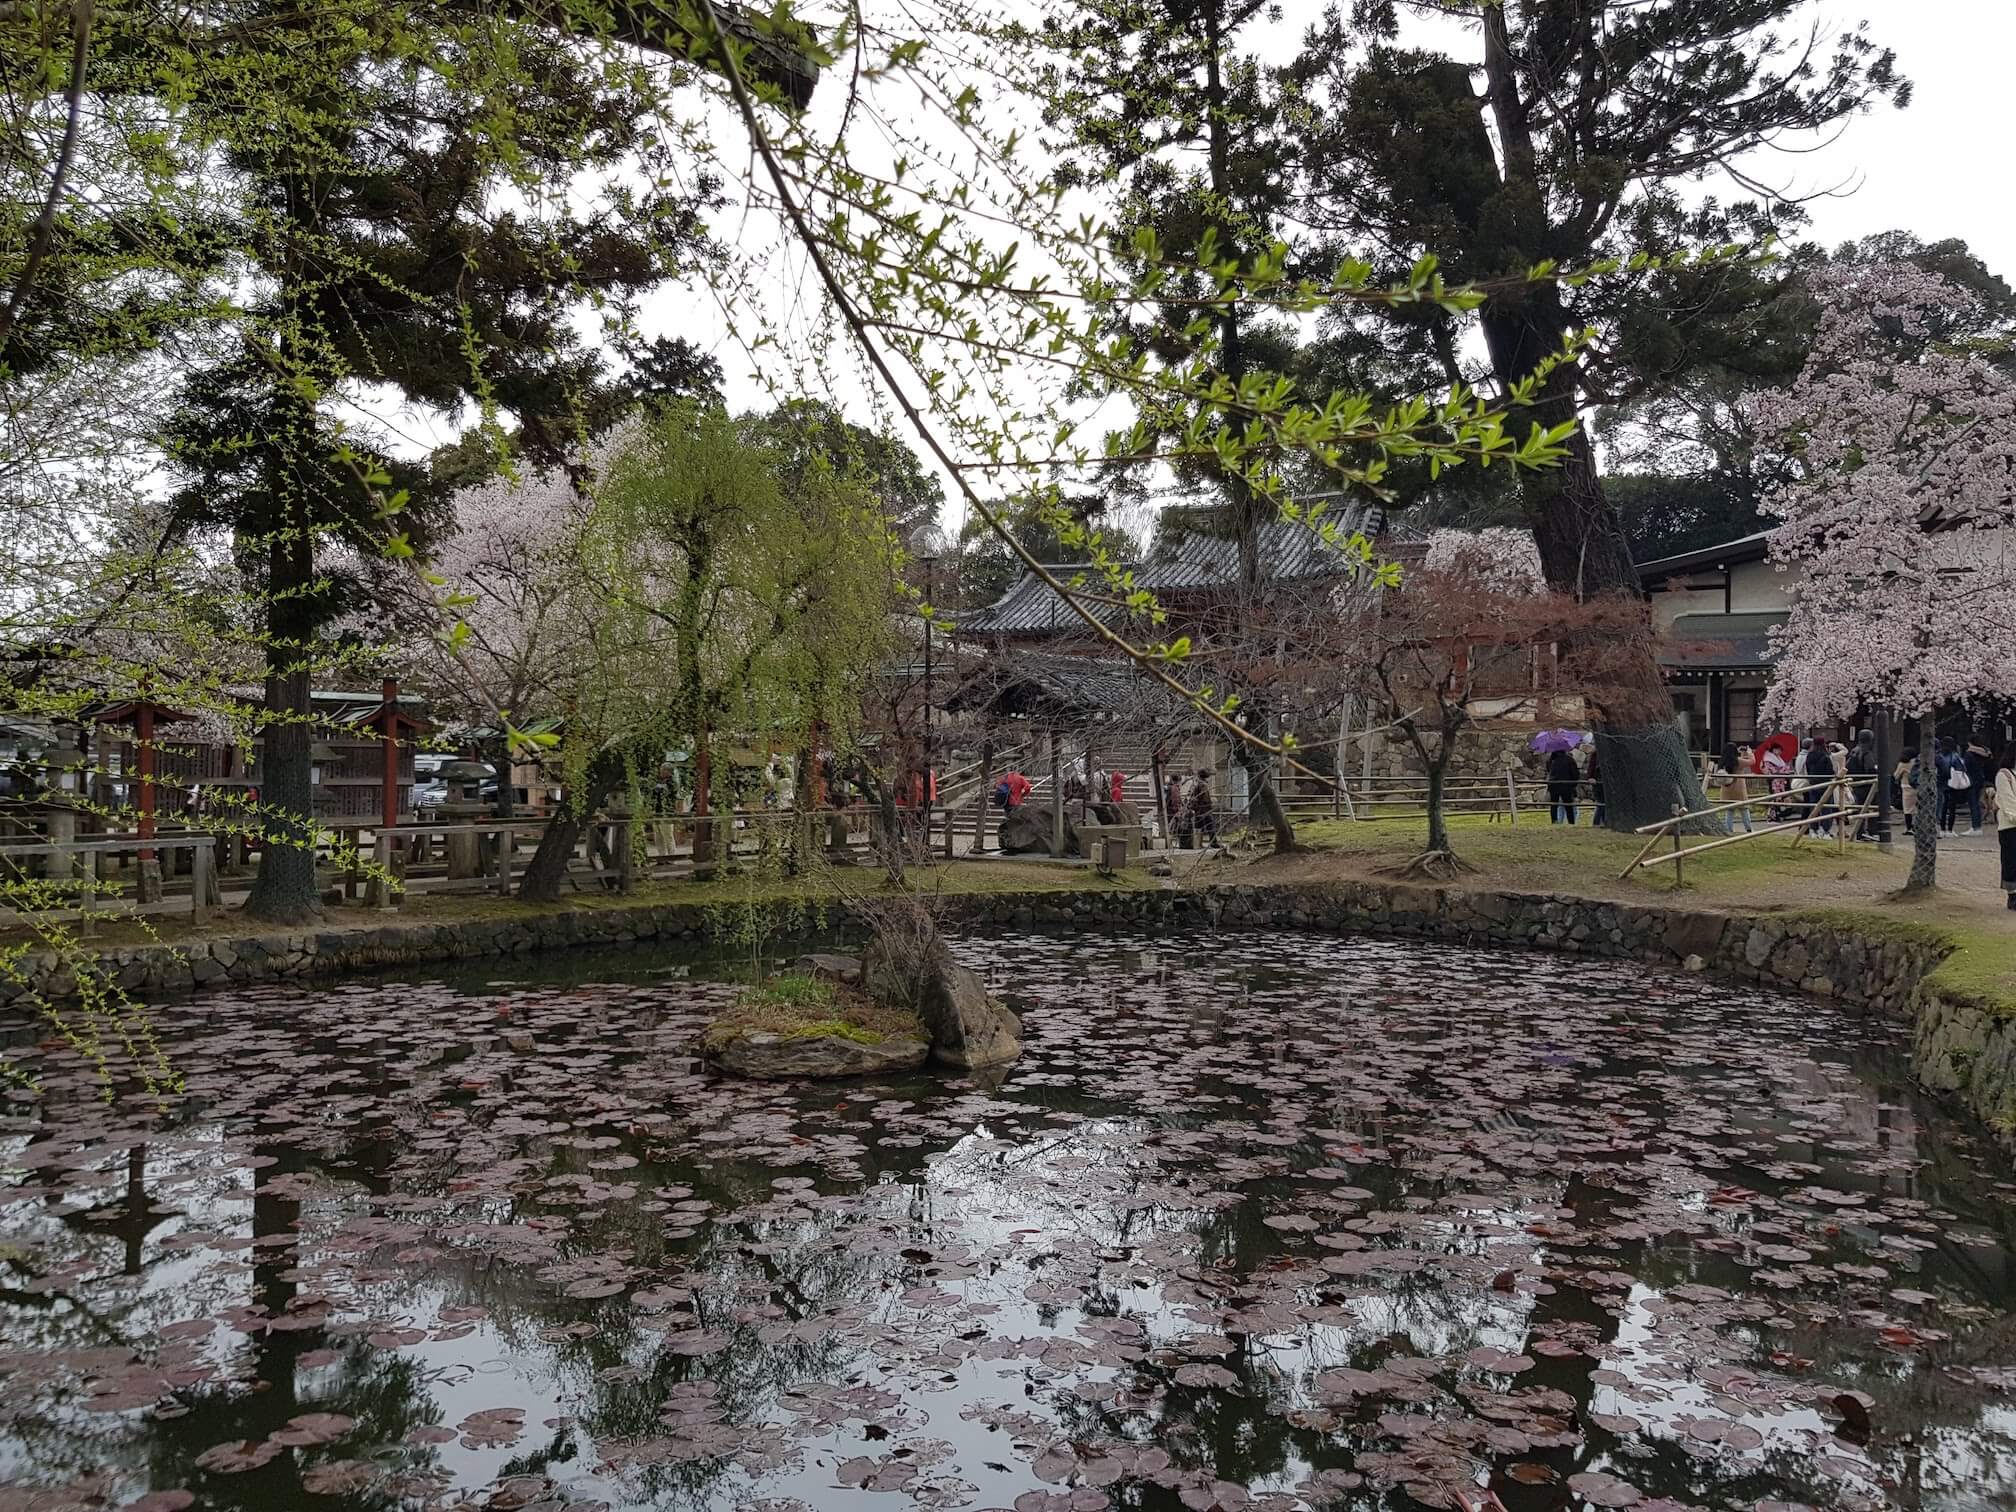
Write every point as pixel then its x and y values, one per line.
pixel 1438 864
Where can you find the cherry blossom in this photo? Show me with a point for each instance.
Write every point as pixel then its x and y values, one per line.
pixel 1899 529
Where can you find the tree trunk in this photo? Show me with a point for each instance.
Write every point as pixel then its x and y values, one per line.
pixel 1438 821
pixel 547 870
pixel 1246 507
pixel 1582 545
pixel 1265 800
pixel 284 890
pixel 1925 823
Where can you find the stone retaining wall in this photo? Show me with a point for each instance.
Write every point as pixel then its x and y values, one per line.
pixel 1804 955
pixel 1968 1053
pixel 1961 1049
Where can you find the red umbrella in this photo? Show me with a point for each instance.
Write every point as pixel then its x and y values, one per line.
pixel 1785 744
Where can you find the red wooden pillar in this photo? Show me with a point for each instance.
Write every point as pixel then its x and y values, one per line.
pixel 146 718
pixel 143 733
pixel 389 740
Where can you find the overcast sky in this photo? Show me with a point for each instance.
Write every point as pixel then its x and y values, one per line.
pixel 1942 166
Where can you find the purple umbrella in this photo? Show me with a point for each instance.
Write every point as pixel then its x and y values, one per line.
pixel 1557 740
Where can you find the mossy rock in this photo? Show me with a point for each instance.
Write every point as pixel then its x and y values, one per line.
pixel 798 1026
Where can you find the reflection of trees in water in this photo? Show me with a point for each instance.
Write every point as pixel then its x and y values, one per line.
pixel 259 1384
pixel 1120 1183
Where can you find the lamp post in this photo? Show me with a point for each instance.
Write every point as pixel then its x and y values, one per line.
pixel 1884 762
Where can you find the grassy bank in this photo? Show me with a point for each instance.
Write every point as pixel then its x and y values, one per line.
pixel 962 878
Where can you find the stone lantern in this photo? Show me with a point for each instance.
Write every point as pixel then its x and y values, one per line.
pixel 62 768
pixel 465 852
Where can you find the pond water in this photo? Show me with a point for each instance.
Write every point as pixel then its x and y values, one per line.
pixel 1259 1220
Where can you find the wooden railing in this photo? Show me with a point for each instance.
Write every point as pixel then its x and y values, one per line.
pixel 90 887
pixel 1362 799
pixel 1835 804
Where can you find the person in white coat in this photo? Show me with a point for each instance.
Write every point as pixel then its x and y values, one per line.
pixel 2005 818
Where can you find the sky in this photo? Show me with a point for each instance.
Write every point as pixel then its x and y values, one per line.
pixel 1938 168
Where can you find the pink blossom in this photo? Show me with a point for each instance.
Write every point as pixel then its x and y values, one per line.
pixel 1901 531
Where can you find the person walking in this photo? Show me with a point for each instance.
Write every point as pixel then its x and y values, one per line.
pixel 1981 778
pixel 1012 791
pixel 1595 776
pixel 2005 818
pixel 1864 778
pixel 1954 782
pixel 1728 785
pixel 1201 809
pixel 1904 785
pixel 1817 769
pixel 1563 777
pixel 1776 773
pixel 1116 785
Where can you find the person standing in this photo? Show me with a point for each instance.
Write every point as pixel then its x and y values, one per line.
pixel 1816 768
pixel 1728 784
pixel 1563 777
pixel 1981 779
pixel 1201 808
pixel 1863 779
pixel 1954 781
pixel 2005 818
pixel 1116 785
pixel 1904 784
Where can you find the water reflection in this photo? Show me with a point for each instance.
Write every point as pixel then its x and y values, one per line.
pixel 1272 1222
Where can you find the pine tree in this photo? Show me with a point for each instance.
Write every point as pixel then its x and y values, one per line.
pixel 1592 117
pixel 1146 88
pixel 361 209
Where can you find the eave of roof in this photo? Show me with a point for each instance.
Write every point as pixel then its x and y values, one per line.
pixel 1750 548
pixel 1720 642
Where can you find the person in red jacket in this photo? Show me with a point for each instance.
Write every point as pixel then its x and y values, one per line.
pixel 1117 786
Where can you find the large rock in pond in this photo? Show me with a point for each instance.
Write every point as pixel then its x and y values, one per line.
pixel 1026 831
pixel 816 1057
pixel 968 1029
pixel 842 969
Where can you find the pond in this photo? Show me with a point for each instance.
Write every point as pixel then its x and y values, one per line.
pixel 1260 1220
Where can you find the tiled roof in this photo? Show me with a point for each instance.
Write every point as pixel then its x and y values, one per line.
pixel 1749 548
pixel 1289 552
pixel 1030 604
pixel 1045 682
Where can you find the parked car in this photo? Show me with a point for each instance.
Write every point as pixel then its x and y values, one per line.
pixel 434 793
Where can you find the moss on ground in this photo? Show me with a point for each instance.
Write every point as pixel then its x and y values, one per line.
pixel 795 1006
pixel 960 879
